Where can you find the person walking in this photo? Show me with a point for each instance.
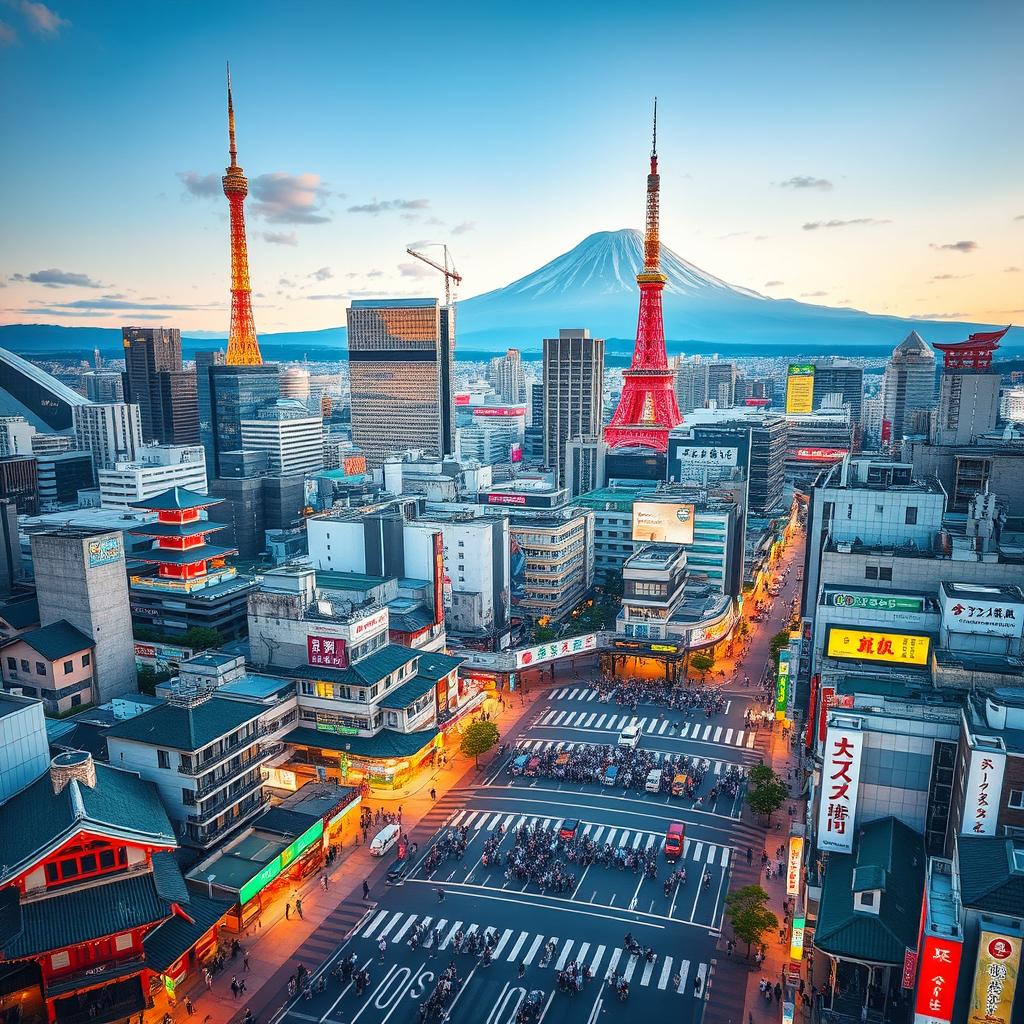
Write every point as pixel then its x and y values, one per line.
pixel 189 1007
pixel 288 911
pixel 245 961
pixel 433 793
pixel 366 889
pixel 522 969
pixel 298 908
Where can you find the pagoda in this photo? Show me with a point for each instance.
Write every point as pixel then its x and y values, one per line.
pixel 184 557
pixel 973 354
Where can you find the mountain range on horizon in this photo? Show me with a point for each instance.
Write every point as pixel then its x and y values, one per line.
pixel 593 285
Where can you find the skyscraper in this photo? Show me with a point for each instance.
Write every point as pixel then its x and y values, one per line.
pixel 243 348
pixel 204 360
pixel 112 432
pixel 700 381
pixel 401 366
pixel 835 376
pixel 178 409
pixel 506 375
pixel 103 386
pixel 647 408
pixel 907 386
pixel 148 352
pixel 291 436
pixel 968 390
pixel 238 393
pixel 573 387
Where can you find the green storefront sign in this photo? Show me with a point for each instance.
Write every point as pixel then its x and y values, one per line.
pixel 270 871
pixel 782 686
pixel 340 730
pixel 876 602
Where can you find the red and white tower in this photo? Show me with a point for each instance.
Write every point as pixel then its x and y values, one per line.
pixel 243 348
pixel 647 408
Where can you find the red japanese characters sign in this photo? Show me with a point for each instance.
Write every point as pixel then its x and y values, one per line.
pixel 982 792
pixel 939 964
pixel 840 779
pixel 328 651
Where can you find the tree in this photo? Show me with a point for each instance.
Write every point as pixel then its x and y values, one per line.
pixel 766 792
pixel 702 663
pixel 748 915
pixel 199 638
pixel 542 634
pixel 147 679
pixel 477 739
pixel 779 642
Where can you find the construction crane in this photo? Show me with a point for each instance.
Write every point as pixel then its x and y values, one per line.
pixel 452 278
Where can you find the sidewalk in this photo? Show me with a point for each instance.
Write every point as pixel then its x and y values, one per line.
pixel 271 945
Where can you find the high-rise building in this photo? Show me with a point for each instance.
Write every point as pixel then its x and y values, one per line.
pixel 647 408
pixel 537 405
pixel 148 352
pixel 204 360
pixel 243 348
pixel 103 386
pixel 26 390
pixel 16 435
pixel 493 434
pixel 834 376
pixel 584 465
pixel 506 376
pixel 295 383
pixel 968 390
pixel 1011 404
pixel 19 482
pixel 178 413
pixel 908 385
pixel 80 577
pixel 291 437
pixel 52 444
pixel 573 389
pixel 698 382
pixel 238 393
pixel 158 467
pixel 401 366
pixel 112 432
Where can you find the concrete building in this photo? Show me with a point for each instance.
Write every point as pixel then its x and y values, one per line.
pixel 1011 404
pixel 238 393
pixel 908 387
pixel 291 437
pixel 585 460
pixel 493 434
pixel 24 748
pixel 401 376
pixel 53 663
pixel 968 406
pixel 295 385
pixel 178 413
pixel 204 405
pixel 52 444
pixel 158 467
pixel 871 423
pixel 506 376
pixel 112 433
pixel 19 482
pixel 80 577
pixel 62 477
pixel 573 393
pixel 843 377
pixel 103 386
pixel 817 439
pixel 16 435
pixel 700 381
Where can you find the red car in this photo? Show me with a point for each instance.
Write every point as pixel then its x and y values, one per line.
pixel 569 829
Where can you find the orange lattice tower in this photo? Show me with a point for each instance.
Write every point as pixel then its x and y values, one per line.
pixel 647 408
pixel 243 348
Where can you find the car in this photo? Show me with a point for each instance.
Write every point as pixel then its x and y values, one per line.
pixel 674 839
pixel 679 783
pixel 630 737
pixel 611 775
pixel 533 766
pixel 653 783
pixel 569 828
pixel 398 870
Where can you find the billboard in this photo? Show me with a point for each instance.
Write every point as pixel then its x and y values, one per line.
pixel 104 550
pixel 280 863
pixel 354 465
pixel 439 578
pixel 936 982
pixel 515 452
pixel 327 651
pixel 782 686
pixel 663 522
pixel 516 569
pixel 370 624
pixel 877 645
pixel 500 410
pixel 995 979
pixel 527 657
pixel 793 864
pixel 830 699
pixel 820 454
pixel 965 611
pixel 800 388
pixel 160 655
pixel 875 602
pixel 840 780
pixel 982 792
pixel 707 456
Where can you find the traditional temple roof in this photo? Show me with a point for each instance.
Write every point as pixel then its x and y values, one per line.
pixel 185 556
pixel 176 499
pixel 193 529
pixel 973 354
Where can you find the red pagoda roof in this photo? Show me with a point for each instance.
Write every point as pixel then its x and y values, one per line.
pixel 973 354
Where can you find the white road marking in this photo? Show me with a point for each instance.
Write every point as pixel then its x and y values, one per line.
pixel 728 735
pixel 514 952
pixel 528 959
pixel 375 923
pixel 684 970
pixel 563 959
pixel 666 971
pixel 718 734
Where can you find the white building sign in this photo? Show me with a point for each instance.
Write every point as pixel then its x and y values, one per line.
pixel 840 778
pixel 981 796
pixel 708 456
pixel 530 656
pixel 968 613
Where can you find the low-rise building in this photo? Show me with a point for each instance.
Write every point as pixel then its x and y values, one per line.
pixel 157 468
pixel 53 663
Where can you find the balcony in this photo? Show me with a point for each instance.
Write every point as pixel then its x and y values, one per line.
pixel 210 785
pixel 226 800
pixel 192 767
pixel 210 834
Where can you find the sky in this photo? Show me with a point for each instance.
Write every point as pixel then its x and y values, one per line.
pixel 864 154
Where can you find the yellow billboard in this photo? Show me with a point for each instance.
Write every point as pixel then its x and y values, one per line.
pixel 800 388
pixel 995 979
pixel 877 645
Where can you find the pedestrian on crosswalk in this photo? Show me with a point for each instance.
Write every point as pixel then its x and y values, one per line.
pixel 522 969
pixel 366 889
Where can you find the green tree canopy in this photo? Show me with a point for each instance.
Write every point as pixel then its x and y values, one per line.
pixel 779 642
pixel 477 739
pixel 702 663
pixel 749 915
pixel 766 792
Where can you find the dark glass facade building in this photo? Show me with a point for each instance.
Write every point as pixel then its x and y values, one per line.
pixel 238 393
pixel 149 352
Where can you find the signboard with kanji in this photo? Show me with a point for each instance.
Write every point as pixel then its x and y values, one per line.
pixel 782 686
pixel 877 645
pixel 840 780
pixel 982 792
pixel 995 979
pixel 939 966
pixel 874 602
pixel 794 864
pixel 530 656
pixel 327 651
pixel 967 611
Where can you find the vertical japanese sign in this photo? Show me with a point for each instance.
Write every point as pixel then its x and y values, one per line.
pixel 796 941
pixel 936 980
pixel 909 967
pixel 981 795
pixel 782 686
pixel 995 979
pixel 439 578
pixel 840 779
pixel 793 865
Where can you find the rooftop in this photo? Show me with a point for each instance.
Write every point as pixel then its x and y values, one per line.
pixel 58 640
pixel 20 611
pixel 393 303
pixel 254 686
pixel 992 874
pixel 387 743
pixel 365 672
pixel 176 499
pixel 187 728
pixel 358 581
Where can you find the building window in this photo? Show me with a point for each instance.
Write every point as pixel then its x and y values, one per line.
pixel 871 572
pixel 86 660
pixel 12 664
pixel 1016 800
pixel 885 573
pixel 911 517
pixel 163 759
pixel 188 796
pixel 24 665
pixel 40 669
pixel 69 667
pixel 83 861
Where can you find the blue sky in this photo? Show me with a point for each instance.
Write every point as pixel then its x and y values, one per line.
pixel 869 155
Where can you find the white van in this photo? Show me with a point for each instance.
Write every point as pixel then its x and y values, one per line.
pixel 653 784
pixel 630 737
pixel 384 840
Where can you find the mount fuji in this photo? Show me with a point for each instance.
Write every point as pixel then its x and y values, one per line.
pixel 594 285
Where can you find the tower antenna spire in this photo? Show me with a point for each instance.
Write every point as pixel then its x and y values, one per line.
pixel 654 137
pixel 232 149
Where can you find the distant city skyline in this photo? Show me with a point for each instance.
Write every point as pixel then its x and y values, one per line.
pixel 866 158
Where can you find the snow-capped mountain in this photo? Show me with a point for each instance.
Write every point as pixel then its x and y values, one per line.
pixel 594 286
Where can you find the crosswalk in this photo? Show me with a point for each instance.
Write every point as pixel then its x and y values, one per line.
pixel 575 693
pixel 665 973
pixel 612 721
pixel 658 756
pixel 623 838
